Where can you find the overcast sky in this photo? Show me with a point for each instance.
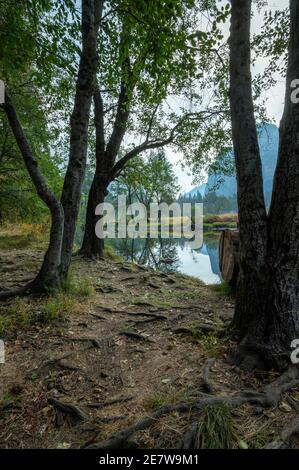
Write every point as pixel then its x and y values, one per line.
pixel 275 97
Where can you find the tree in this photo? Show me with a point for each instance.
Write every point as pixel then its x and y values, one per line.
pixel 150 51
pixel 150 180
pixel 18 201
pixel 64 214
pixel 267 302
pixel 71 193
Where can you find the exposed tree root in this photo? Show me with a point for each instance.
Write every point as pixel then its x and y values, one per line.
pixel 147 314
pixel 99 317
pixel 112 419
pixel 134 314
pixel 287 433
pixel 19 291
pixel 205 375
pixel 188 439
pixel 294 404
pixel 150 319
pixel 131 334
pixel 203 327
pixel 270 397
pixel 113 401
pixel 58 363
pixel 72 410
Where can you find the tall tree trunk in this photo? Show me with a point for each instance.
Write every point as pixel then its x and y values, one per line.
pixel 91 15
pixel 48 277
pixel 281 317
pixel 267 304
pixel 252 210
pixel 92 246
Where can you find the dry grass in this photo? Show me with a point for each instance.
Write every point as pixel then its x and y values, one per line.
pixel 14 236
pixel 221 218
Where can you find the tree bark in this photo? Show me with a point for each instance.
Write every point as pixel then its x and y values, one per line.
pixel 49 276
pixel 281 318
pixel 91 15
pixel 267 304
pixel 92 246
pixel 252 210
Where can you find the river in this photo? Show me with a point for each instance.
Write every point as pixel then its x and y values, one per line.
pixel 173 255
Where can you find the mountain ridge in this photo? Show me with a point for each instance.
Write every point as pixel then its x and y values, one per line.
pixel 224 185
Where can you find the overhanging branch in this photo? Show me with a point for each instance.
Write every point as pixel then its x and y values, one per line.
pixel 158 143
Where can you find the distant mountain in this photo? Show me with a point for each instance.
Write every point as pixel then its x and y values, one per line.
pixel 227 185
pixel 198 189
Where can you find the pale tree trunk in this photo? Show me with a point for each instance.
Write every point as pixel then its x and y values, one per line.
pixel 267 303
pixel 49 275
pixel 71 194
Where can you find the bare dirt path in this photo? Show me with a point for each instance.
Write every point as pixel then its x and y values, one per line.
pixel 138 341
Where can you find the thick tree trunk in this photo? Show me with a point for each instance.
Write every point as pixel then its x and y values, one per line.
pixel 281 317
pixel 252 211
pixel 48 277
pixel 91 14
pixel 267 307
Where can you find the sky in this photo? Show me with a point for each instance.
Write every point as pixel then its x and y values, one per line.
pixel 275 96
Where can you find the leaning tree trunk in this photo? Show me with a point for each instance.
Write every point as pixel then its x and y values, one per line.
pixel 49 275
pixel 71 194
pixel 252 212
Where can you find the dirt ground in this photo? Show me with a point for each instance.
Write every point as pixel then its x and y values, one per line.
pixel 133 344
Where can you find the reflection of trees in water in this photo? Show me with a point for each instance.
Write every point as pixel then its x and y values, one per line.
pixel 213 252
pixel 158 253
pixel 211 248
pixel 162 253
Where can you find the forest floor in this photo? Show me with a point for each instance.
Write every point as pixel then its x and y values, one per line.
pixel 119 342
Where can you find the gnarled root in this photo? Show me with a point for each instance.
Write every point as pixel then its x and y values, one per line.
pixel 268 398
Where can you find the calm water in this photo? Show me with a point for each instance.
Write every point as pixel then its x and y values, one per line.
pixel 173 255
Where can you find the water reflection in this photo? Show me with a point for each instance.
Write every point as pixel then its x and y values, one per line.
pixel 170 255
